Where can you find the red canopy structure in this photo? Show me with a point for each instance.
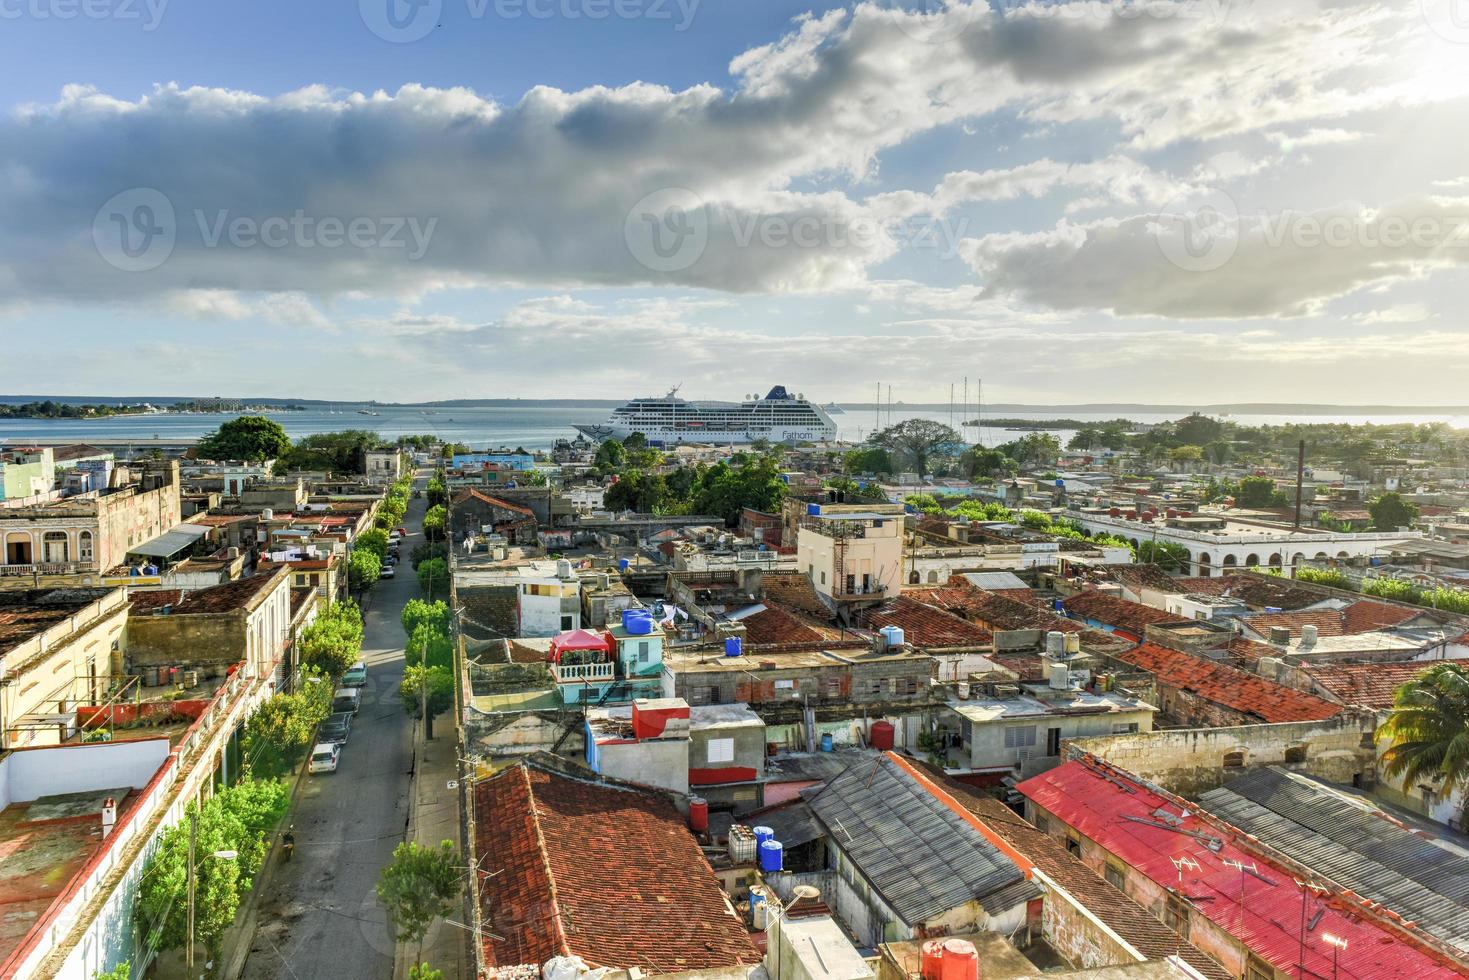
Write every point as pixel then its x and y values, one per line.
pixel 577 640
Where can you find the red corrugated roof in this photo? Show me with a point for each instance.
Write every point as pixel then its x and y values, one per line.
pixel 1246 693
pixel 610 874
pixel 1265 917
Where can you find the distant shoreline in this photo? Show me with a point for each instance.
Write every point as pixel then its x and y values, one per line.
pixel 999 409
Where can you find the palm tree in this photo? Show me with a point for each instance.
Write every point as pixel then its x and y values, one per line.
pixel 1429 730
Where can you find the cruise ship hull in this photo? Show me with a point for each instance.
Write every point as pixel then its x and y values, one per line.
pixel 779 417
pixel 601 432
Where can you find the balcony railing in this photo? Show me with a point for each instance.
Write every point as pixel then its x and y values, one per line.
pixel 45 568
pixel 584 673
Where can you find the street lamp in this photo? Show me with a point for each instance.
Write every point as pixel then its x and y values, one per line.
pixel 223 855
pixel 1337 945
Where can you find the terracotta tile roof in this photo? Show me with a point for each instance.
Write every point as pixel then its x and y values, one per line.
pixel 572 867
pixel 1363 616
pixel 300 597
pixel 1141 928
pixel 776 625
pixel 298 565
pixel 1254 592
pixel 1367 685
pixel 1109 610
pixel 215 599
pixel 991 610
pixel 926 626
pixel 1246 693
pixel 26 612
pixel 485 498
pixel 1249 650
pixel 1027 666
pixel 1143 576
pixel 1098 803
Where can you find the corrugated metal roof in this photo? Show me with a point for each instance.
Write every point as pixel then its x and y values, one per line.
pixel 1420 879
pixel 922 857
pixel 170 542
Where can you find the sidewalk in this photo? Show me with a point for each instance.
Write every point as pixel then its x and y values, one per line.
pixel 433 817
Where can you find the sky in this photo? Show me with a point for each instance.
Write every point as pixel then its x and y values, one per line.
pixel 1090 201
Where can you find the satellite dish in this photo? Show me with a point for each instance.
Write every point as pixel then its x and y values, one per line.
pixel 805 891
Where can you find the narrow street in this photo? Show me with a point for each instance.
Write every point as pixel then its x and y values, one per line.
pixel 319 915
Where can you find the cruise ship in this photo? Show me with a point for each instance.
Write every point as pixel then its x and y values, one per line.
pixel 778 417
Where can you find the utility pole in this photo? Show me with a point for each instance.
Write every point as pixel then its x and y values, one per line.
pixel 1300 477
pixel 189 939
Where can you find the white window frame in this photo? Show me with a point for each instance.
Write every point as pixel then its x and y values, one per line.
pixel 719 750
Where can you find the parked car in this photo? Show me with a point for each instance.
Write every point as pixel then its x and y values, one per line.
pixel 336 729
pixel 356 675
pixel 391 559
pixel 324 757
pixel 402 532
pixel 346 699
pixel 387 571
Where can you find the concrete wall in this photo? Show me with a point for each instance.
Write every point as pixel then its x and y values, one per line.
pixel 986 747
pixel 199 640
pixel 28 774
pixel 662 762
pixel 1189 762
pixel 1072 930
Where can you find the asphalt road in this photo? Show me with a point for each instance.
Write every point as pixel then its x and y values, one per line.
pixel 318 914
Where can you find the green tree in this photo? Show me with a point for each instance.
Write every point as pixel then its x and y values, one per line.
pixel 1390 512
pixel 1219 452
pixel 978 461
pixel 1034 449
pixel 160 909
pixel 725 491
pixel 1429 730
pixel 609 456
pixel 428 645
pixel 1185 454
pixel 1168 556
pixel 1197 429
pixel 248 810
pixel 417 612
pixel 375 541
pixel 868 459
pixel 124 971
pixel 332 643
pixel 433 578
pixel 420 971
pixel 418 886
pixel 437 491
pixel 253 438
pixel 635 440
pixel 1255 491
pixel 434 521
pixel 363 569
pixel 916 441
pixel 331 452
pixel 638 490
pixel 279 733
pixel 439 694
pixel 428 551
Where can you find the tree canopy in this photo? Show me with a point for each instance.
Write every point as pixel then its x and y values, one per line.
pixel 1429 730
pixel 252 438
pixel 917 440
pixel 418 886
pixel 1390 512
pixel 332 643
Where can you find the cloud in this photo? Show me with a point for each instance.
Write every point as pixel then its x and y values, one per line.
pixel 329 193
pixel 1280 264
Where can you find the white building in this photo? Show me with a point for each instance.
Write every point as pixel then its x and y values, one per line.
pixel 1215 541
pixel 852 551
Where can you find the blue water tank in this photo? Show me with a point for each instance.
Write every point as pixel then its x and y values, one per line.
pixel 762 834
pixel 813 510
pixel 733 647
pixel 1061 483
pixel 622 564
pixel 755 899
pixel 638 622
pixel 826 742
pixel 771 856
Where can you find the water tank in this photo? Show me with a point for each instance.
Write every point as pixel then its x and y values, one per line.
pixel 1073 644
pixel 698 814
pixel 733 647
pixel 882 735
pixel 741 844
pixel 1055 644
pixel 931 960
pixel 563 568
pixel 827 743
pixel 1059 677
pixel 757 910
pixel 1309 635
pixel 150 676
pixel 961 960
pixel 771 856
pixel 638 622
pixel 813 510
pixel 763 834
pixel 622 564
pixel 1114 512
pixel 892 636
pixel 266 514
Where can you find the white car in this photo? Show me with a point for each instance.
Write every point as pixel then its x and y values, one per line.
pixel 324 757
pixel 387 571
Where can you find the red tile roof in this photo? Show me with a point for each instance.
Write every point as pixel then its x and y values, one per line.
pixel 795 590
pixel 485 498
pixel 1128 617
pixel 1258 912
pixel 568 866
pixel 1258 593
pixel 925 626
pixel 778 626
pixel 1368 685
pixel 215 599
pixel 1362 616
pixel 1246 693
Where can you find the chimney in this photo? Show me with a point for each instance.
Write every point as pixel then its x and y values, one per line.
pixel 109 816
